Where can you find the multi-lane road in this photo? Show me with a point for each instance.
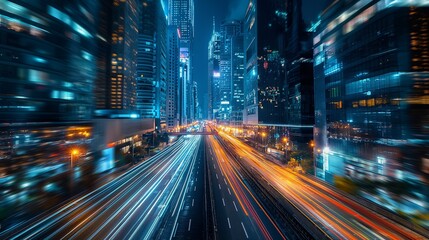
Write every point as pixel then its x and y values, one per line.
pixel 238 213
pixel 209 187
pixel 335 214
pixel 133 206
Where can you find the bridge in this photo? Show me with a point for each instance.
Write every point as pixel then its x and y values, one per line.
pixel 191 133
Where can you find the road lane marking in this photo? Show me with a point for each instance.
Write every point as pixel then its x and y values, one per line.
pixel 223 200
pixel 229 223
pixel 219 186
pixel 236 209
pixel 225 181
pixel 247 236
pixel 214 166
pixel 217 176
pixel 229 192
pixel 192 202
pixel 195 188
pixel 175 230
pixel 190 222
pixel 196 179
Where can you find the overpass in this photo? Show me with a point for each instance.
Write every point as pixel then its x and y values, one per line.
pixel 191 133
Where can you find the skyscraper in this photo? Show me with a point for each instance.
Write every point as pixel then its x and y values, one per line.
pixel 196 102
pixel 173 114
pixel 264 76
pixel 181 14
pixel 122 86
pixel 152 62
pixel 47 67
pixel 371 71
pixel 237 74
pixel 214 51
pixel 230 32
pixel 299 91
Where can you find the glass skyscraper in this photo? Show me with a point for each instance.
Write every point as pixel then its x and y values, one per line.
pixel 173 97
pixel 47 69
pixel 214 51
pixel 181 14
pixel 264 76
pixel 228 30
pixel 122 86
pixel 152 62
pixel 371 64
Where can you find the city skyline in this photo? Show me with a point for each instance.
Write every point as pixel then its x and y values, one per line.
pixel 226 10
pixel 188 119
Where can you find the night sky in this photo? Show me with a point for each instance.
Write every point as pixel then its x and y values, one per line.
pixel 226 10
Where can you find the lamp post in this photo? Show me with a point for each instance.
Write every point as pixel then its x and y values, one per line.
pixel 263 140
pixel 286 142
pixel 74 152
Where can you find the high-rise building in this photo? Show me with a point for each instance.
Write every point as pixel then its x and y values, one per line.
pixel 214 51
pixel 173 114
pixel 122 86
pixel 181 14
pixel 196 102
pixel 152 62
pixel 264 78
pixel 103 82
pixel 47 66
pixel 299 92
pixel 237 74
pixel 371 64
pixel 230 83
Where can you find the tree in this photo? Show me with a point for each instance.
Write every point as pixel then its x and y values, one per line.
pixel 293 163
pixel 345 184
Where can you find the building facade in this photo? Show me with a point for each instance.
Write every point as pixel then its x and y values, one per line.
pixel 152 62
pixel 181 14
pixel 371 63
pixel 237 74
pixel 264 77
pixel 122 86
pixel 299 104
pixel 232 70
pixel 214 51
pixel 173 114
pixel 228 30
pixel 48 66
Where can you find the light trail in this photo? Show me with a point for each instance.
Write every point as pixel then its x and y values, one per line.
pixel 237 185
pixel 127 206
pixel 339 216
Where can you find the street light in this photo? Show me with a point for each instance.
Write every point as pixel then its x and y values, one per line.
pixel 74 152
pixel 263 134
pixel 285 140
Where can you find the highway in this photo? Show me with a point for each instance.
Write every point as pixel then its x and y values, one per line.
pixel 133 206
pixel 237 212
pixel 335 214
pixel 203 187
